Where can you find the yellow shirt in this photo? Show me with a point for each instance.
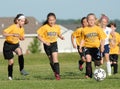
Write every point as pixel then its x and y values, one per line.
pixel 77 34
pixel 92 36
pixel 13 29
pixel 48 33
pixel 114 48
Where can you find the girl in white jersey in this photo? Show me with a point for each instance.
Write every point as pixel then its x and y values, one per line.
pixel 104 21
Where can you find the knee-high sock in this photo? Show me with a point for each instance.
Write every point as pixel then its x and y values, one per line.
pixel 10 70
pixel 21 62
pixel 57 68
pixel 52 66
pixel 115 68
pixel 89 69
pixel 108 65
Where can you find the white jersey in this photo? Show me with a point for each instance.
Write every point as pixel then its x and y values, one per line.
pixel 107 31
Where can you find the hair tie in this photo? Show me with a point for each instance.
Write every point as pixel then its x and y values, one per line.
pixel 22 17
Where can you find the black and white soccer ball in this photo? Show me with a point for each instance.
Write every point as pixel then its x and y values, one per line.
pixel 99 74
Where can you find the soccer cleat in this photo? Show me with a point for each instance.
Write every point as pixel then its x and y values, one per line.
pixel 10 78
pixel 57 76
pixel 80 67
pixel 23 72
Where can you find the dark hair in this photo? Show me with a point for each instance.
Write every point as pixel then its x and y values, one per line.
pixel 16 18
pixel 112 23
pixel 50 14
pixel 83 19
pixel 91 14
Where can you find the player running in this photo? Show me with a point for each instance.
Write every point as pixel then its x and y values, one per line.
pixel 48 34
pixel 77 35
pixel 114 47
pixel 13 35
pixel 92 37
pixel 104 22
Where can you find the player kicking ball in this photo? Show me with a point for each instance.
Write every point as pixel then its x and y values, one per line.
pixel 93 39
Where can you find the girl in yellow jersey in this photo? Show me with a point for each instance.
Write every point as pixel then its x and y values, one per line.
pixel 92 37
pixel 13 35
pixel 77 35
pixel 114 47
pixel 48 34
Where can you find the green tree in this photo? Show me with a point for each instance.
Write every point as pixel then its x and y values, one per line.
pixel 34 46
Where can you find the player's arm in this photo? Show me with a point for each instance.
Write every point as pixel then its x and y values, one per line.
pixel 43 41
pixel 81 45
pixel 61 37
pixel 73 42
pixel 102 45
pixel 8 34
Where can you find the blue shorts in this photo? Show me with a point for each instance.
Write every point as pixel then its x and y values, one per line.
pixel 106 49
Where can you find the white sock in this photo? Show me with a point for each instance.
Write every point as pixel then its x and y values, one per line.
pixel 108 65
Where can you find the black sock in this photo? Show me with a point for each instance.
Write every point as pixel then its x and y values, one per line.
pixel 10 70
pixel 89 69
pixel 115 68
pixel 52 66
pixel 21 62
pixel 81 62
pixel 57 68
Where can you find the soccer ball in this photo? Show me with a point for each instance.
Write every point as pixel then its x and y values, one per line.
pixel 99 74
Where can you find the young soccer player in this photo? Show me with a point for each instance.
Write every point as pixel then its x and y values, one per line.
pixel 13 35
pixel 48 34
pixel 114 47
pixel 92 37
pixel 77 35
pixel 104 22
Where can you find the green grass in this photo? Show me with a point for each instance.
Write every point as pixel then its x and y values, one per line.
pixel 41 76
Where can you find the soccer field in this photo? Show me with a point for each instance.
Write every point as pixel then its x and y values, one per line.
pixel 41 76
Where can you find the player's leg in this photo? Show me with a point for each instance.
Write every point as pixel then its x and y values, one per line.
pixel 54 51
pixel 21 61
pixel 115 64
pixel 82 58
pixel 49 54
pixel 108 64
pixel 88 63
pixel 56 65
pixel 8 55
pixel 10 69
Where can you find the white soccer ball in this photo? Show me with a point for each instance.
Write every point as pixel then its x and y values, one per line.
pixel 99 74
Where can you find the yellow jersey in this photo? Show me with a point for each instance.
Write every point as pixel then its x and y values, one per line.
pixel 114 48
pixel 92 36
pixel 77 34
pixel 13 29
pixel 48 33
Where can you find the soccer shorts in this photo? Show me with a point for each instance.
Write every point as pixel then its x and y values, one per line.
pixel 50 49
pixel 94 52
pixel 114 57
pixel 106 49
pixel 8 50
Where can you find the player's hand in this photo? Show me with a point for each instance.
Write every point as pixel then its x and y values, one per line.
pixel 62 38
pixel 16 35
pixel 48 44
pixel 80 49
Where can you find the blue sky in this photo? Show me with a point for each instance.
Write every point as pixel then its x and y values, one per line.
pixel 64 9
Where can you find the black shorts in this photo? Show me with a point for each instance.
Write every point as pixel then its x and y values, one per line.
pixel 81 53
pixel 114 57
pixel 50 49
pixel 94 52
pixel 8 50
